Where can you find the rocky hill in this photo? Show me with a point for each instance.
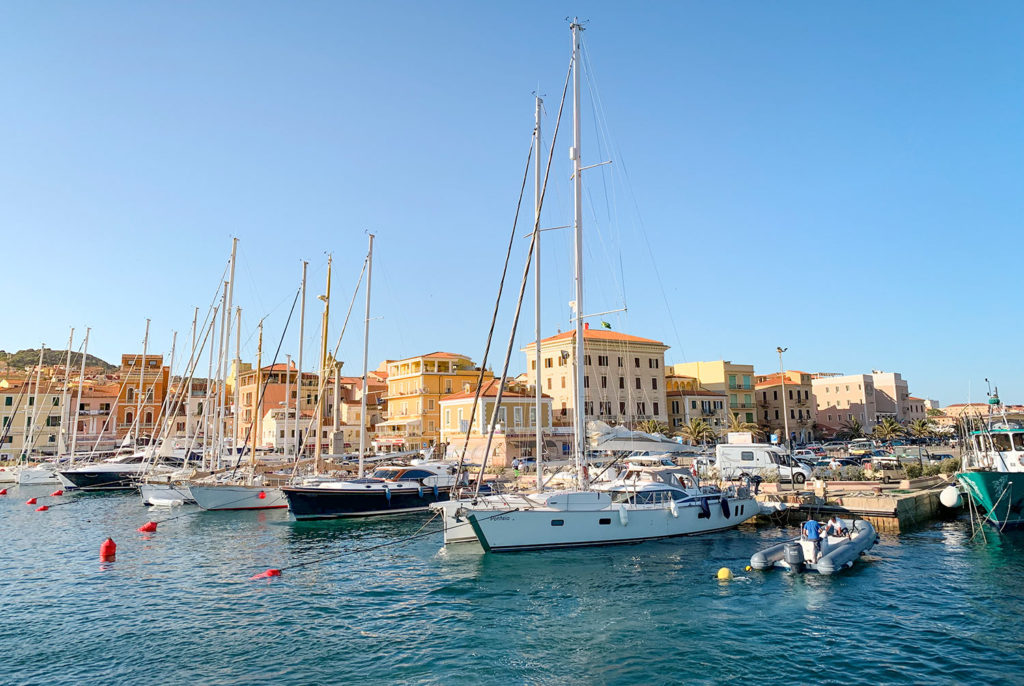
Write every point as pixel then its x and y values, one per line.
pixel 27 359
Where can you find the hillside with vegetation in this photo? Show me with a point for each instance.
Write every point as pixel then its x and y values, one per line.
pixel 27 359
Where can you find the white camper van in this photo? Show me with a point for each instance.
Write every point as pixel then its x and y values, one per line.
pixel 735 461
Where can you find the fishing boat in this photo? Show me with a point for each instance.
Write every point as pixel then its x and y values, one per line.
pixel 992 473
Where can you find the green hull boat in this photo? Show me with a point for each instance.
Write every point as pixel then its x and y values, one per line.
pixel 999 494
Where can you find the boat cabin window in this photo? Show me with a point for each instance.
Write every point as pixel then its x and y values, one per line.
pixel 385 473
pixel 417 474
pixel 1018 441
pixel 747 455
pixel 1000 442
pixel 650 497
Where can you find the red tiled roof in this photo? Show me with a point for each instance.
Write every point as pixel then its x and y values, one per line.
pixel 601 335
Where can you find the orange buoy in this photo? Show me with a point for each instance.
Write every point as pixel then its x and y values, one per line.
pixel 58 492
pixel 266 575
pixel 108 550
pixel 263 494
pixel 42 508
pixel 148 527
pixel 30 501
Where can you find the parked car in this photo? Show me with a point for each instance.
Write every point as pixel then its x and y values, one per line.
pixel 862 447
pixel 834 446
pixel 805 454
pixel 816 448
pixel 885 469
pixel 937 458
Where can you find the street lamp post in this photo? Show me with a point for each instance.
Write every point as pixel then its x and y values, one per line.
pixel 785 411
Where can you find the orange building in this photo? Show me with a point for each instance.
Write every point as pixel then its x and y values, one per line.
pixel 154 388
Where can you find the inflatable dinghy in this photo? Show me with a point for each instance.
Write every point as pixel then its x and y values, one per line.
pixel 837 552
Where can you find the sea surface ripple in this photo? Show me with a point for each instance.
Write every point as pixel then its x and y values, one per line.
pixel 177 606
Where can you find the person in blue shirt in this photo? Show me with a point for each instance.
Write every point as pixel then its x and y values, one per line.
pixel 812 532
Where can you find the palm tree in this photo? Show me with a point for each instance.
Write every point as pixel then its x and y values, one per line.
pixel 851 429
pixel 921 428
pixel 738 425
pixel 697 431
pixel 652 426
pixel 888 429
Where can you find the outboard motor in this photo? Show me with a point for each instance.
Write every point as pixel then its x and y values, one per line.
pixel 793 554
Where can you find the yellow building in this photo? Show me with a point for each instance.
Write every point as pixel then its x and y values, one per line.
pixel 415 388
pixel 623 382
pixel 736 380
pixel 515 434
pixel 688 401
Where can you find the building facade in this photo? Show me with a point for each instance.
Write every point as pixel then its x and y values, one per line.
pixel 415 386
pixel 839 399
pixel 140 414
pixel 784 400
pixel 723 376
pixel 688 401
pixel 623 376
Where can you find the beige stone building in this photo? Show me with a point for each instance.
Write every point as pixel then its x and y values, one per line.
pixel 515 434
pixel 687 401
pixel 839 399
pixel 735 380
pixel 623 376
pixel 786 399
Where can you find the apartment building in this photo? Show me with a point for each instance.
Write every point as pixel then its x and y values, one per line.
pixel 687 401
pixel 140 414
pixel 516 430
pixel 786 400
pixel 415 386
pixel 280 389
pixel 623 376
pixel 724 376
pixel 839 399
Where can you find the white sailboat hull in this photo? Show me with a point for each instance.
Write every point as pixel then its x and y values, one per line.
pixel 237 497
pixel 545 528
pixel 8 475
pixel 161 494
pixel 32 476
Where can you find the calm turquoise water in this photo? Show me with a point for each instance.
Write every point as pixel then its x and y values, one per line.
pixel 177 606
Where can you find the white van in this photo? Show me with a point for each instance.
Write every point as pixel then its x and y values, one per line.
pixel 735 461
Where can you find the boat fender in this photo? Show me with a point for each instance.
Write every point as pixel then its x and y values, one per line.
pixel 725 508
pixel 435 491
pixel 673 508
pixel 705 509
pixel 623 515
pixel 387 493
pixel 42 508
pixel 3 491
pixel 263 495
pixel 57 493
pixel 31 501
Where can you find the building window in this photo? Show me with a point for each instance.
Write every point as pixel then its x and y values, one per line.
pixel 588 407
pixel 622 382
pixel 776 414
pixel 766 415
pixel 621 362
pixel 732 381
pixel 654 385
pixel 56 401
pixel 549 383
pixel 533 365
pixel 586 382
pixel 563 382
pixel 638 383
pixel 775 395
pixel 641 408
pixel 792 413
pixel 693 404
pixel 533 416
pixel 602 360
pixel 764 396
pixel 517 415
pixel 8 401
pixel 655 405
pixel 790 394
pixel 622 408
pixel 636 362
pixel 565 410
pixel 675 407
pixel 547 363
pixel 448 418
pixel 604 382
pixel 586 360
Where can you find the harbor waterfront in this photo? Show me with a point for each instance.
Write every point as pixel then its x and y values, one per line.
pixel 924 606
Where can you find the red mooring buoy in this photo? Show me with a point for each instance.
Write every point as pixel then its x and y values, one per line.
pixel 263 494
pixel 3 491
pixel 148 527
pixel 30 501
pixel 108 550
pixel 57 492
pixel 42 508
pixel 266 575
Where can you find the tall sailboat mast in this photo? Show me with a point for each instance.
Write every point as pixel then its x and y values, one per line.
pixel 65 411
pixel 575 155
pixel 298 383
pixel 238 371
pixel 366 341
pixel 78 403
pixel 194 361
pixel 538 421
pixel 142 377
pixel 323 359
pixel 259 396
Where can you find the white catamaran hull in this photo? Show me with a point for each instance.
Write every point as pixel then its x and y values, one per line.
pixel 237 497
pixel 545 528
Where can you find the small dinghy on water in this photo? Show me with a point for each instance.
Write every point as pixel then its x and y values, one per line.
pixel 837 552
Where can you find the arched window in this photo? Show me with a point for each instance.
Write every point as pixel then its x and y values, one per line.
pixel 128 417
pixel 149 418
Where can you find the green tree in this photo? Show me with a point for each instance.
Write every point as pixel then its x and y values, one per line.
pixel 888 429
pixel 921 428
pixel 652 426
pixel 850 430
pixel 738 425
pixel 697 431
pixel 932 412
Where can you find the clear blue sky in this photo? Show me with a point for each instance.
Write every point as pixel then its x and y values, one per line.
pixel 844 180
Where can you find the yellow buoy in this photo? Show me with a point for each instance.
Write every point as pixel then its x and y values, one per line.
pixel 725 574
pixel 748 568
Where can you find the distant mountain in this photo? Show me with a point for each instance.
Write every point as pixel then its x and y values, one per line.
pixel 29 358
